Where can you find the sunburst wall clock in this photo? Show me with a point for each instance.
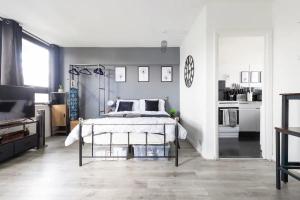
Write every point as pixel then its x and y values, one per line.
pixel 189 71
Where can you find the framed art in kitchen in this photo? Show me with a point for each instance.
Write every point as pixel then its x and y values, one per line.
pixel 120 74
pixel 166 74
pixel 143 74
pixel 255 77
pixel 245 77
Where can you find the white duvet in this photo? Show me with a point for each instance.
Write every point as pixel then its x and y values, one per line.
pixel 122 126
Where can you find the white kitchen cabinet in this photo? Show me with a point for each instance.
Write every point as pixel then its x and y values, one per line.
pixel 249 117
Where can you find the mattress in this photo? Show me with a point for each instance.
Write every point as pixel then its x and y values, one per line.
pixel 136 126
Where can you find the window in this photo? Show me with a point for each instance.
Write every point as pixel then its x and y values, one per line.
pixel 35 64
pixel 41 98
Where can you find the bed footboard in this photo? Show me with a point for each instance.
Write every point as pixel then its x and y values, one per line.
pixel 146 134
pixel 176 143
pixel 80 141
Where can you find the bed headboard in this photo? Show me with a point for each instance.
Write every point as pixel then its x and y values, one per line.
pixel 166 98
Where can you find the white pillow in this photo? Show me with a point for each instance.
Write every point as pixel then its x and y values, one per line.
pixel 161 104
pixel 135 106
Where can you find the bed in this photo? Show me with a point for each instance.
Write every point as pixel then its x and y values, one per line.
pixel 135 124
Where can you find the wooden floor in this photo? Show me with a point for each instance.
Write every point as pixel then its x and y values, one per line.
pixel 53 173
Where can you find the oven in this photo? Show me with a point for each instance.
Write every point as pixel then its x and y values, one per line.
pixel 225 130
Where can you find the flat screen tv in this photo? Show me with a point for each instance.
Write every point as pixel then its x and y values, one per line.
pixel 16 103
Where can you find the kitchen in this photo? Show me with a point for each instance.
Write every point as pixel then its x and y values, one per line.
pixel 241 64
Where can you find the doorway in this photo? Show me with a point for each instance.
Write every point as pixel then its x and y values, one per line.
pixel 240 75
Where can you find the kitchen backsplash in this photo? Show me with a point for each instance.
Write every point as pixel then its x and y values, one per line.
pixel 238 93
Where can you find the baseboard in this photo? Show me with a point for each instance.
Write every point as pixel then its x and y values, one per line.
pixel 196 146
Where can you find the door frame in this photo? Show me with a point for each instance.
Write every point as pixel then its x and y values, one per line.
pixel 266 121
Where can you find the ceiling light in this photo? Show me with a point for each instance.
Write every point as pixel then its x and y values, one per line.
pixel 164 45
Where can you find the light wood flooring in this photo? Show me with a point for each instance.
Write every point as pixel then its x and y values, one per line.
pixel 53 174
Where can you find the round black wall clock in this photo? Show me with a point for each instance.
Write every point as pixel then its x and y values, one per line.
pixel 189 71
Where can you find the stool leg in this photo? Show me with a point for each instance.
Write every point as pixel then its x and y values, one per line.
pixel 284 156
pixel 284 137
pixel 278 184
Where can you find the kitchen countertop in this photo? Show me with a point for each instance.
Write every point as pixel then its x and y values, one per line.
pixel 243 104
pixel 250 102
pixel 240 102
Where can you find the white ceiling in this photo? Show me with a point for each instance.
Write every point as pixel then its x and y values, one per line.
pixel 105 23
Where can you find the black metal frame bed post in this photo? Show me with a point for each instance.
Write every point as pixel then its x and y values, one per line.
pixel 80 142
pixel 146 145
pixel 176 143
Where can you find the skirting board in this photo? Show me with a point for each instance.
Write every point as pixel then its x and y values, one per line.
pixel 196 146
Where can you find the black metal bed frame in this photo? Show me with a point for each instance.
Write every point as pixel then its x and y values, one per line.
pixel 81 143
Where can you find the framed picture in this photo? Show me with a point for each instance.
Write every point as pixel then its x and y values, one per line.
pixel 255 77
pixel 245 77
pixel 143 73
pixel 166 74
pixel 120 74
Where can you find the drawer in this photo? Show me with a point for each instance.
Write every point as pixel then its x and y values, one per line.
pixel 25 144
pixel 6 151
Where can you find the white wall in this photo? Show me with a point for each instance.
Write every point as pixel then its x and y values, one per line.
pixel 199 103
pixel 192 100
pixel 286 18
pixel 237 54
pixel 238 16
pixel 227 17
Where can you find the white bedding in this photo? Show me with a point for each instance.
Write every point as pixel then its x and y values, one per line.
pixel 136 126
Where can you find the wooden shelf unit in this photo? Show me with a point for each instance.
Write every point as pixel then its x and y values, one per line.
pixel 59 113
pixel 73 123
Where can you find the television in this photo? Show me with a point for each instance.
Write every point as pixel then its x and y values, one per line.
pixel 16 103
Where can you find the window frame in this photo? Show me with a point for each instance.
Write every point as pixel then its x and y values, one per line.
pixel 38 42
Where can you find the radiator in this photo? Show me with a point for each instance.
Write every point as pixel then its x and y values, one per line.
pixel 41 127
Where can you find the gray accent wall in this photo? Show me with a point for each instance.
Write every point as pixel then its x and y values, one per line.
pixel 131 89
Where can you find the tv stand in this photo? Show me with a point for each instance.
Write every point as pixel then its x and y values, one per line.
pixel 14 143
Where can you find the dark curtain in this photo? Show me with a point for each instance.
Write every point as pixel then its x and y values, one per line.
pixel 55 75
pixel 0 47
pixel 11 49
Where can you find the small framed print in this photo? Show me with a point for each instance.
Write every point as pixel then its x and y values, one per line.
pixel 166 73
pixel 255 77
pixel 143 73
pixel 245 77
pixel 120 74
